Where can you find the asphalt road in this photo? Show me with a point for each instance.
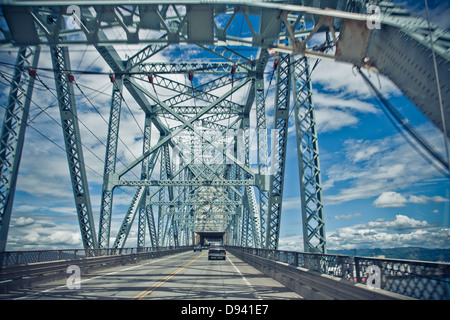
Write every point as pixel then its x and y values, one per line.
pixel 188 275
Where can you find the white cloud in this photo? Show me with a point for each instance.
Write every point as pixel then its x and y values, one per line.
pixel 340 101
pixel 336 111
pixel 347 216
pixel 291 243
pixel 367 168
pixel 23 222
pixel 340 77
pixel 403 231
pixel 390 199
pixel 401 222
pixel 291 203
pixel 349 238
pixel 39 237
pixel 329 119
pixel 394 199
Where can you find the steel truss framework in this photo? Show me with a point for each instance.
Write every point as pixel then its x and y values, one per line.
pixel 199 175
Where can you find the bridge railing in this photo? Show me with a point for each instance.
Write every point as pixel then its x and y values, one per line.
pixel 417 279
pixel 17 258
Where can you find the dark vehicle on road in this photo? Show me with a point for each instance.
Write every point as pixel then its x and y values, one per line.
pixel 198 247
pixel 217 252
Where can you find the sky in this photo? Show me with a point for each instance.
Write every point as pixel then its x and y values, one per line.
pixel 377 190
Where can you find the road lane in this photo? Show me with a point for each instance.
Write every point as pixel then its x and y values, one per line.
pixel 183 276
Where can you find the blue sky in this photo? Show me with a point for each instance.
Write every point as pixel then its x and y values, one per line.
pixel 378 192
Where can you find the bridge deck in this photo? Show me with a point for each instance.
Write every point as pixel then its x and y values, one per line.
pixel 188 275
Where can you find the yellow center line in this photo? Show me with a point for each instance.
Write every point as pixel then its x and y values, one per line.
pixel 144 293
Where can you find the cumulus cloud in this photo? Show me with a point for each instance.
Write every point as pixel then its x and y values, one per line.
pixel 401 222
pixel 329 119
pixel 394 199
pixel 344 79
pixel 370 167
pixel 23 222
pixel 39 237
pixel 402 231
pixel 390 199
pixel 349 238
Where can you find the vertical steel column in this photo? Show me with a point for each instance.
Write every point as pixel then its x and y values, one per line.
pixel 282 102
pixel 144 175
pixel 72 139
pixel 110 164
pixel 262 142
pixel 314 238
pixel 173 225
pixel 13 134
pixel 161 215
pixel 141 224
pixel 263 156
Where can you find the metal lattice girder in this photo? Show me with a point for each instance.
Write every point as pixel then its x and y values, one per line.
pixel 161 197
pixel 253 216
pixel 151 226
pixel 314 238
pixel 177 23
pixel 142 217
pixel 199 182
pixel 36 23
pixel 195 23
pixel 223 68
pixel 143 214
pixel 282 103
pixel 129 218
pixel 13 133
pixel 262 142
pixel 196 203
pixel 186 124
pixel 110 164
pixel 72 139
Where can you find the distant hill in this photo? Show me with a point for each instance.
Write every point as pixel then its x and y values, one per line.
pixel 410 253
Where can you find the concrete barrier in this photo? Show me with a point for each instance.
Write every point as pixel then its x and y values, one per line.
pixel 313 285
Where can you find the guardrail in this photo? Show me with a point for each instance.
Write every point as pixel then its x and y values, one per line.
pixel 416 279
pixel 23 268
pixel 16 258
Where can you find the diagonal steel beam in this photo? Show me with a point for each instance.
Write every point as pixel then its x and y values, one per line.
pixel 72 139
pixel 13 134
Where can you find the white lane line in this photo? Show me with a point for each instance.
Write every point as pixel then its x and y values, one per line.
pixel 257 296
pixel 100 276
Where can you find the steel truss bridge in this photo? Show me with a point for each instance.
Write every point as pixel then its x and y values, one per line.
pixel 198 176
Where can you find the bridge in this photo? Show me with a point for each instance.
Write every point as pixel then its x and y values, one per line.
pixel 193 181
